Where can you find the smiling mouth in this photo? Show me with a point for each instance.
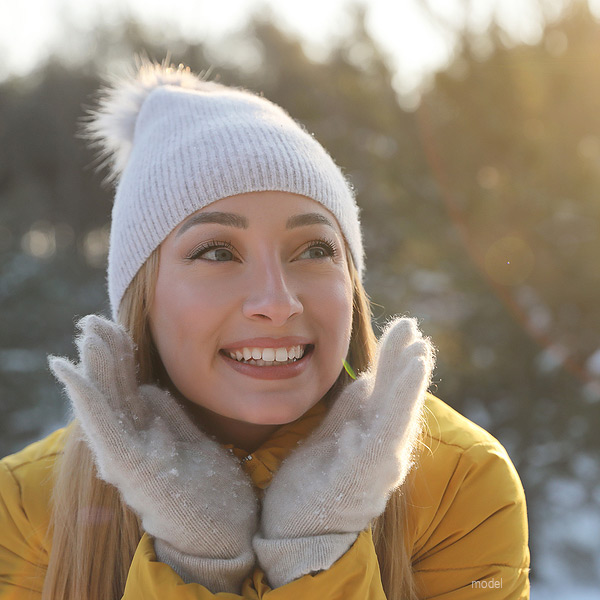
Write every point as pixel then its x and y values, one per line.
pixel 246 356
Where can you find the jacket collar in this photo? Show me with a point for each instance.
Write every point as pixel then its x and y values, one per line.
pixel 261 464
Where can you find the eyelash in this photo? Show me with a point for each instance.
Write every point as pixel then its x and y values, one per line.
pixel 324 242
pixel 199 250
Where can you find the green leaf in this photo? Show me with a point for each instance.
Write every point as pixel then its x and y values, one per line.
pixel 349 370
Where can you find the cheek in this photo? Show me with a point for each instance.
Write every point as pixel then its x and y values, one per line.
pixel 333 303
pixel 180 314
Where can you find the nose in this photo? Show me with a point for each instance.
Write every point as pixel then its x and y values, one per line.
pixel 271 296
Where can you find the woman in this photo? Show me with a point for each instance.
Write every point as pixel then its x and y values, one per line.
pixel 219 446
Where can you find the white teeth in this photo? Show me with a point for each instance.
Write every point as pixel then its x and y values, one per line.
pixel 281 355
pixel 268 356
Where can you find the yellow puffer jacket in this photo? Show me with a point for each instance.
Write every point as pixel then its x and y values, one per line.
pixel 466 509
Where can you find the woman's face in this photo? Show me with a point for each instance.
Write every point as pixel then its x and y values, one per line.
pixel 252 275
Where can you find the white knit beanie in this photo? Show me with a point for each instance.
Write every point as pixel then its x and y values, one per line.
pixel 176 143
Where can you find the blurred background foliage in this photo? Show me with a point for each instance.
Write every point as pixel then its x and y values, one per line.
pixel 481 213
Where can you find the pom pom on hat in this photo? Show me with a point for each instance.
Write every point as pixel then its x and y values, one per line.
pixel 175 143
pixel 111 126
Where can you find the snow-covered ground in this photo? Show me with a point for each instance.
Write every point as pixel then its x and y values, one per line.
pixel 566 544
pixel 564 592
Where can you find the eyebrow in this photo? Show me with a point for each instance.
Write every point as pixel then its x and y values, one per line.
pixel 234 220
pixel 221 218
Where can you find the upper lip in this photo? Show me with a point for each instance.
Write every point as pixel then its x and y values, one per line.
pixel 268 342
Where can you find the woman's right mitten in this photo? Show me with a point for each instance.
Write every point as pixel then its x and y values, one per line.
pixel 191 494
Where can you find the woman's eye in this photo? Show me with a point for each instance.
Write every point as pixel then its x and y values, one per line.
pixel 220 254
pixel 213 251
pixel 320 249
pixel 315 252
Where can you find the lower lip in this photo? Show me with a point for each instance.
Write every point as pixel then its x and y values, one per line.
pixel 273 372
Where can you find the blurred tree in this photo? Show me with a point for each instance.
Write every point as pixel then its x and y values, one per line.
pixel 513 140
pixel 512 136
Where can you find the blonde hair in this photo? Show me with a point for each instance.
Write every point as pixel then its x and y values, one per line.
pixel 93 533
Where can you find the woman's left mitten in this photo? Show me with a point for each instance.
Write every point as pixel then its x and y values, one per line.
pixel 333 485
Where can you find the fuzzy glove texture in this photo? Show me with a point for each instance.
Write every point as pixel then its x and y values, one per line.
pixel 330 488
pixel 191 495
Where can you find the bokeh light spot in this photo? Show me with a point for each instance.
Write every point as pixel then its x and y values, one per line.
pixel 488 177
pixel 40 240
pixel 95 246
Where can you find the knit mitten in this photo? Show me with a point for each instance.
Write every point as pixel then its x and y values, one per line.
pixel 330 488
pixel 190 493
